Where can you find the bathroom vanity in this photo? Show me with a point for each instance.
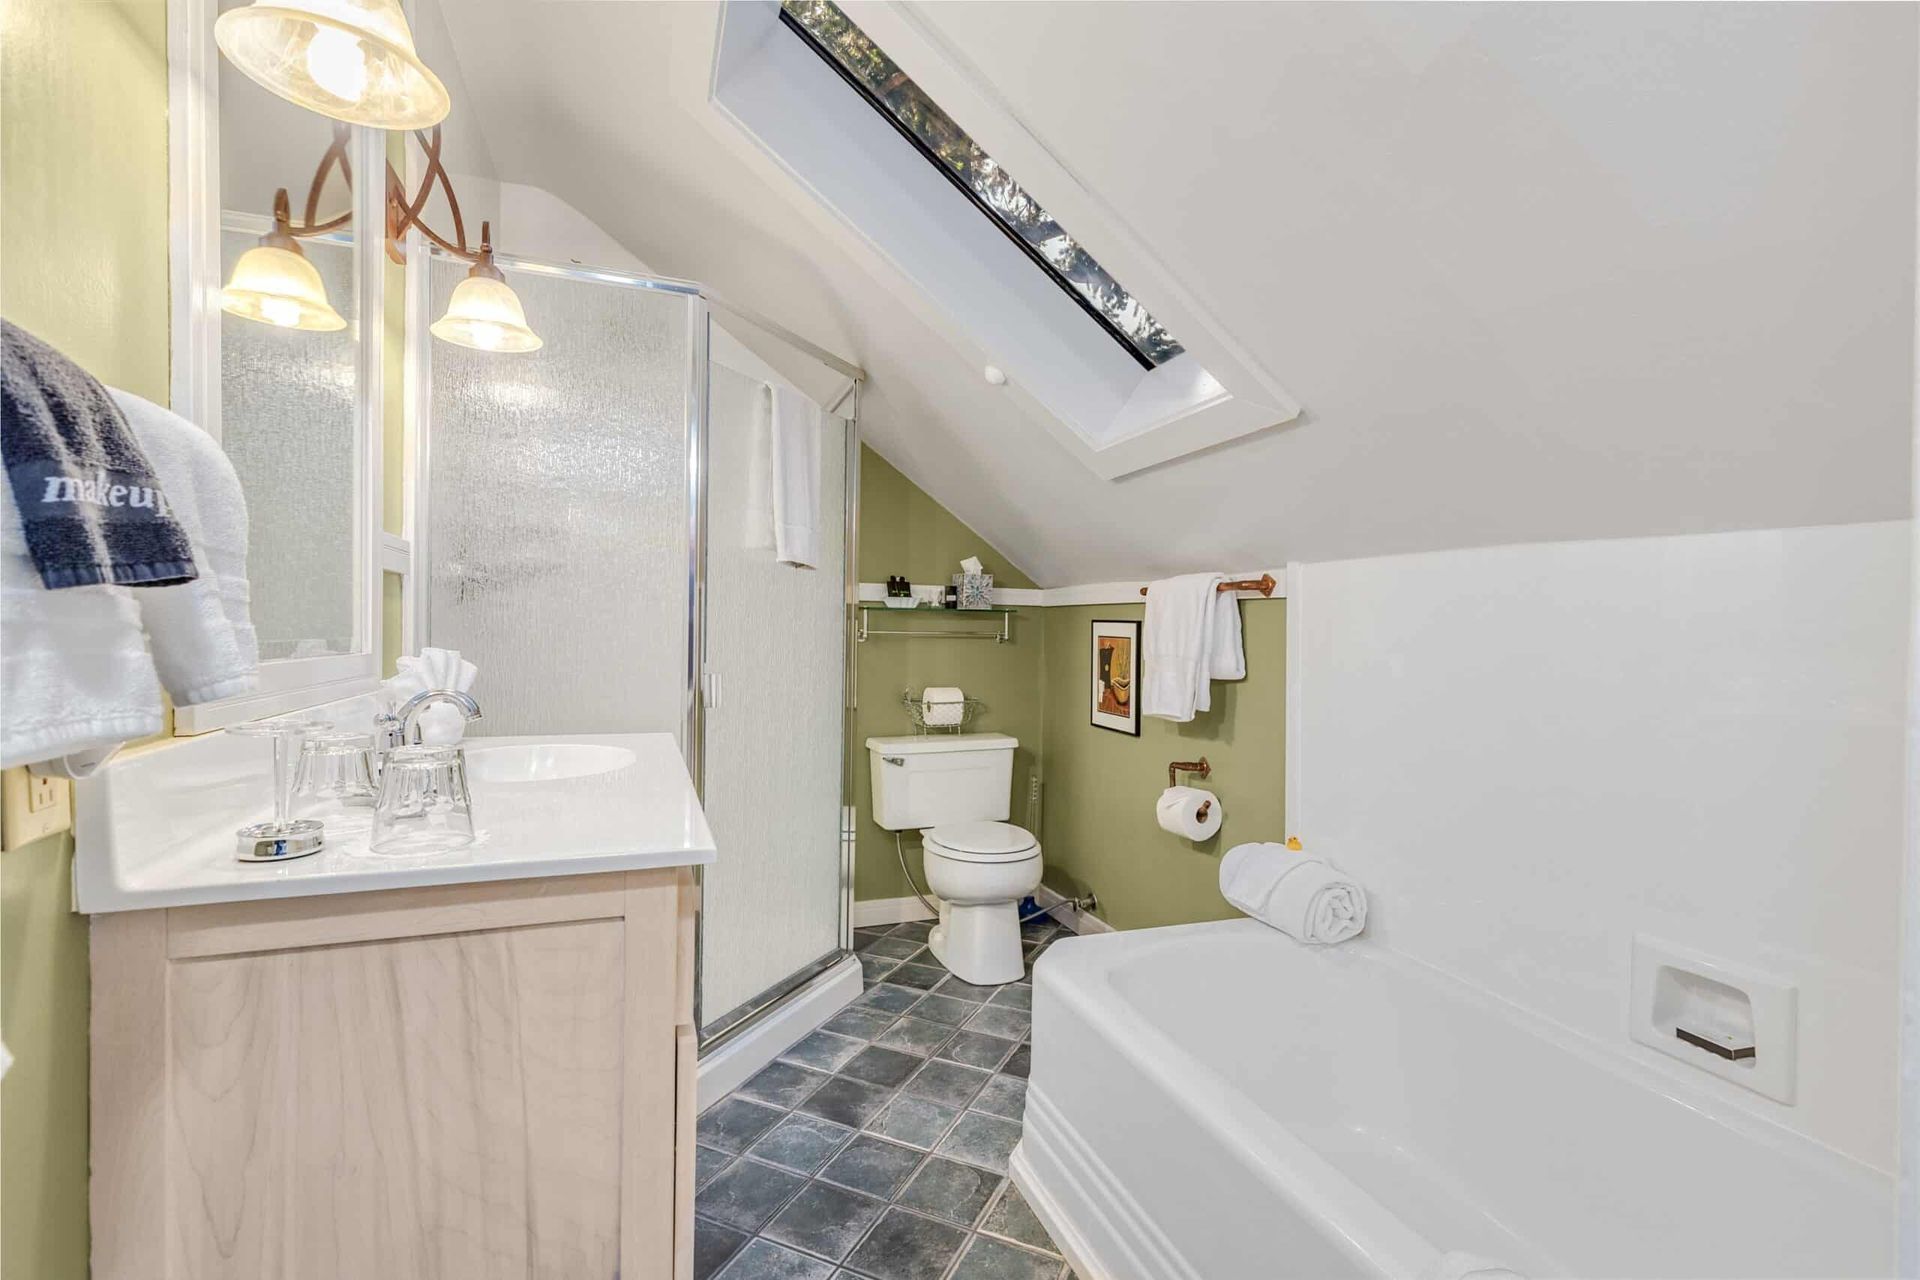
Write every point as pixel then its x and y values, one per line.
pixel 478 1064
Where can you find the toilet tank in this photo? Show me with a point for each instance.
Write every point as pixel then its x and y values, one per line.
pixel 926 780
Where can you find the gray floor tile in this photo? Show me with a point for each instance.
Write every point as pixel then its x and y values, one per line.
pixel 906 1246
pixel 977 1049
pixel 915 1035
pixel 917 929
pixel 747 1194
pixel 847 1101
pixel 894 948
pixel 874 968
pixel 874 1166
pixel 826 1220
pixel 926 977
pixel 1013 1218
pixel 882 1066
pixel 823 1050
pixel 962 990
pixel 859 1023
pixel 981 1139
pixel 889 999
pixel 713 1244
pixel 864 938
pixel 951 1190
pixel 947 1082
pixel 782 1084
pixel 1004 1096
pixel 915 1121
pixel 764 1260
pixel 946 1009
pixel 987 1259
pixel 732 1123
pixel 1020 1064
pixel 998 1020
pixel 1015 995
pixel 802 1143
pixel 707 1161
pixel 1039 929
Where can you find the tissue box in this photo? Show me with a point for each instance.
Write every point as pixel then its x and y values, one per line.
pixel 976 590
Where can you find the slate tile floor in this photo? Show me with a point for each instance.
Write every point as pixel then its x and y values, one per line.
pixel 876 1148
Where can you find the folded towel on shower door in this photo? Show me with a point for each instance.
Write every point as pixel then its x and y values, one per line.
pixel 796 430
pixel 1305 898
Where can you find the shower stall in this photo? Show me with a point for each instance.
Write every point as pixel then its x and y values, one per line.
pixel 593 529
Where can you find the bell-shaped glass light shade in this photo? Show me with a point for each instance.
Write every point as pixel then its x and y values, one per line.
pixel 351 60
pixel 279 286
pixel 485 314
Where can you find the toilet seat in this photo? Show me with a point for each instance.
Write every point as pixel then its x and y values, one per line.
pixel 982 842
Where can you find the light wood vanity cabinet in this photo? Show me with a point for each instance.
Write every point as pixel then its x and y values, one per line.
pixel 460 1082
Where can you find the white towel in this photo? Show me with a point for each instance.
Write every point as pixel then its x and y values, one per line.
pixel 441 725
pixel 201 631
pixel 75 674
pixel 796 477
pixel 1305 898
pixel 1192 639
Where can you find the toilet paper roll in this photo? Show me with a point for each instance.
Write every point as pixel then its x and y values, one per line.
pixel 1180 811
pixel 941 706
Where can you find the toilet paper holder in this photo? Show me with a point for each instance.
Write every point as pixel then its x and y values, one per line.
pixel 1200 767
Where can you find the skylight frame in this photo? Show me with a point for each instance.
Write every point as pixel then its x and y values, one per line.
pixel 960 184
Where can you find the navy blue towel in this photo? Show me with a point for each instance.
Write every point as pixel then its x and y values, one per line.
pixel 90 505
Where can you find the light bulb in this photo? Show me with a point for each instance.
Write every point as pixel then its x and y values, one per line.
pixel 281 311
pixel 486 336
pixel 337 63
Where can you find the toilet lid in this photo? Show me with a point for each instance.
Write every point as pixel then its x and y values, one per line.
pixel 984 841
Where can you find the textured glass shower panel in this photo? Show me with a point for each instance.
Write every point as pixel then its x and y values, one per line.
pixel 287 410
pixel 776 640
pixel 557 509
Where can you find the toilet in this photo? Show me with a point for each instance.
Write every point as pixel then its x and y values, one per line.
pixel 956 790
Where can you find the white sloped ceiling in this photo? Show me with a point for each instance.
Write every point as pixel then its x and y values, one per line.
pixel 1535 271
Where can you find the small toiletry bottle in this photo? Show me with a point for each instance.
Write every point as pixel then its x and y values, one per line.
pixel 953 597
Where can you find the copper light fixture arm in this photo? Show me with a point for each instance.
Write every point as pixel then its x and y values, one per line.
pixel 404 213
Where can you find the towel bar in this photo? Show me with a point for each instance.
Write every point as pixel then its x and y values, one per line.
pixel 1264 584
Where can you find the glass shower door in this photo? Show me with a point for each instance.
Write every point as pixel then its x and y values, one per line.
pixel 774 723
pixel 557 503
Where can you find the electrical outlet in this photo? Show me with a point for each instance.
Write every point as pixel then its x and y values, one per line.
pixel 33 808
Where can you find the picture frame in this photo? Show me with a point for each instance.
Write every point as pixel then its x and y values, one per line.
pixel 1114 684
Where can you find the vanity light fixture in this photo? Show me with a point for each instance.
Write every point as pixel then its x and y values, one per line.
pixel 274 283
pixel 350 60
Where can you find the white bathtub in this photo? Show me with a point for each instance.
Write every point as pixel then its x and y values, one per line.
pixel 1217 1102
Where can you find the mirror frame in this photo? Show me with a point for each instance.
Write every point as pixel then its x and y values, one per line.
pixel 194 231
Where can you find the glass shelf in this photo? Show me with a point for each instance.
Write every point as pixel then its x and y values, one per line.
pixel 934 608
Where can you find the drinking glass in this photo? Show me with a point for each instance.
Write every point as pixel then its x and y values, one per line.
pixel 336 772
pixel 423 805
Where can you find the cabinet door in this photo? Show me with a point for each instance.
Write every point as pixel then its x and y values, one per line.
pixel 440 1107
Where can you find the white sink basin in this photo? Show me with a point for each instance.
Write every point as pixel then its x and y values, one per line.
pixel 544 761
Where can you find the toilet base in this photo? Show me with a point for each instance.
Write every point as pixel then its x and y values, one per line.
pixel 980 944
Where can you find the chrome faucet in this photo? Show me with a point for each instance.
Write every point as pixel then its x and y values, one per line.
pixel 407 721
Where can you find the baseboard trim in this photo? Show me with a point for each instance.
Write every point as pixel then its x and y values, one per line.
pixel 730 1066
pixel 875 912
pixel 1069 915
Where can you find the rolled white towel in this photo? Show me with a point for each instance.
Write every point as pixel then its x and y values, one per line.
pixel 1305 898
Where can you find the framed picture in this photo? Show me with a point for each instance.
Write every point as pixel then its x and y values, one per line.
pixel 1116 676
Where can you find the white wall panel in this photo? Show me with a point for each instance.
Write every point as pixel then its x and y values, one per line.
pixel 1531 753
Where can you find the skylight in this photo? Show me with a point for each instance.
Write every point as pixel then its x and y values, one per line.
pixel 846 48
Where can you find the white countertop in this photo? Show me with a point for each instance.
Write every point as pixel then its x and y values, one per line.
pixel 156 829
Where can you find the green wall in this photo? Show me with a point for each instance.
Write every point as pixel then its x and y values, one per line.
pixel 1098 829
pixel 903 531
pixel 83 217
pixel 1098 787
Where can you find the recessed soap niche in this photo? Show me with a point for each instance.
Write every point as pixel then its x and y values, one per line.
pixel 1732 1022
